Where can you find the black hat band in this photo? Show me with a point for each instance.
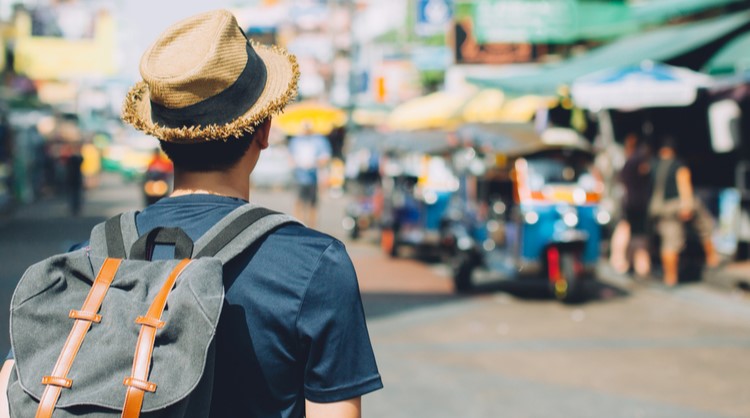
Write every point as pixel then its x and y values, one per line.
pixel 222 108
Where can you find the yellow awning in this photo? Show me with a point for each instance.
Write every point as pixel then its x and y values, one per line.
pixel 523 109
pixel 322 117
pixel 434 111
pixel 443 110
pixel 485 107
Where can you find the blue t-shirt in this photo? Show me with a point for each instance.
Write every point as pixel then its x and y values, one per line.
pixel 307 151
pixel 292 327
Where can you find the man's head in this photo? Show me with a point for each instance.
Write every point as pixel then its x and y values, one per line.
pixel 630 143
pixel 307 127
pixel 215 155
pixel 667 146
pixel 208 93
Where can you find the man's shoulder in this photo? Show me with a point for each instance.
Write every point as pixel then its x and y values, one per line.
pixel 297 237
pixel 304 248
pixel 293 255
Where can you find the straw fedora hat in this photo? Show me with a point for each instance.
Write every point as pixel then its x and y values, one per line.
pixel 204 81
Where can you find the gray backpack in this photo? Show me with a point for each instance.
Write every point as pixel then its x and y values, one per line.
pixel 105 332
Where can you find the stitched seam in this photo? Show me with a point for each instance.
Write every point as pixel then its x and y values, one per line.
pixel 201 307
pixel 343 388
pixel 27 274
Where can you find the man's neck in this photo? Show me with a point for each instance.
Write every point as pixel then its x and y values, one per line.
pixel 223 183
pixel 232 182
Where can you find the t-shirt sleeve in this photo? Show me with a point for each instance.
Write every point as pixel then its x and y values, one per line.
pixel 78 246
pixel 340 363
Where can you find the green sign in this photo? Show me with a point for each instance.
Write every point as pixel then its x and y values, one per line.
pixel 550 21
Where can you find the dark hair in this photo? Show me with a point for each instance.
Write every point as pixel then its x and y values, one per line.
pixel 668 141
pixel 208 156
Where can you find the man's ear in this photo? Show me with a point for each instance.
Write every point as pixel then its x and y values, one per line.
pixel 263 130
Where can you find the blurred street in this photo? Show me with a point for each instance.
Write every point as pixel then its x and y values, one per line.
pixel 456 147
pixel 633 350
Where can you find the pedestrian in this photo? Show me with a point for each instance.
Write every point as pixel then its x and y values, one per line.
pixel 309 152
pixel 631 233
pixel 73 177
pixel 291 339
pixel 673 206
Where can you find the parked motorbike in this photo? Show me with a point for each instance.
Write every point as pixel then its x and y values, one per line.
pixel 157 179
pixel 156 185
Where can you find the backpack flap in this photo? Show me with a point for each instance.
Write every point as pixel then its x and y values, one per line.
pixel 39 326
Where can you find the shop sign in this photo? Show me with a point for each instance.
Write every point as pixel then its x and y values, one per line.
pixel 468 51
pixel 433 16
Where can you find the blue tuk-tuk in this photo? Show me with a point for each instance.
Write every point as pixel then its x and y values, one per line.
pixel 418 183
pixel 531 211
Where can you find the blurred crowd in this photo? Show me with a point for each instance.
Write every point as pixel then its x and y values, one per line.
pixel 658 203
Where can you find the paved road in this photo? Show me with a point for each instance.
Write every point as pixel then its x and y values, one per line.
pixel 634 351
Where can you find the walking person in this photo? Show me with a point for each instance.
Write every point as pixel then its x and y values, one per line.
pixel 74 177
pixel 291 339
pixel 310 152
pixel 631 233
pixel 673 205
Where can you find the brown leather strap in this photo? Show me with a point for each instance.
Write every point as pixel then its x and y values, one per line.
pixel 88 313
pixel 137 382
pixel 86 316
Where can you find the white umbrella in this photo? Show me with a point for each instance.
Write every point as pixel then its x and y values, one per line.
pixel 636 87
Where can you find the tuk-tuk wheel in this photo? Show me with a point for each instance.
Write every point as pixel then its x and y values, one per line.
pixel 569 289
pixel 354 232
pixel 462 275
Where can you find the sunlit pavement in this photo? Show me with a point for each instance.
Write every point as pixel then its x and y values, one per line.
pixel 634 350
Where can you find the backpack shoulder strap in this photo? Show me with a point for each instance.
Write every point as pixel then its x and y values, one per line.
pixel 114 237
pixel 237 231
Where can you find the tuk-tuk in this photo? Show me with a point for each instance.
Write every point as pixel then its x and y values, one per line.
pixel 418 183
pixel 531 210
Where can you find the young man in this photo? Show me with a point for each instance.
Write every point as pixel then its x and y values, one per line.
pixel 310 152
pixel 292 339
pixel 672 206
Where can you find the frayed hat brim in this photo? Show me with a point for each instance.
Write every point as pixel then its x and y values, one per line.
pixel 280 89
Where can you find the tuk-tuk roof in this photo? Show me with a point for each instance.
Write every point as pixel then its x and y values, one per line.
pixel 425 142
pixel 364 139
pixel 432 142
pixel 517 139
